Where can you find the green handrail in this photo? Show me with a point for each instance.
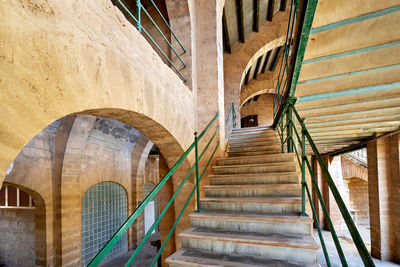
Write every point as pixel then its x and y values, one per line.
pixel 230 123
pixel 125 226
pixel 293 141
pixel 140 28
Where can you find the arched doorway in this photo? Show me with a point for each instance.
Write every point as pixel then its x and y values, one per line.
pixel 150 212
pixel 104 209
pixel 22 229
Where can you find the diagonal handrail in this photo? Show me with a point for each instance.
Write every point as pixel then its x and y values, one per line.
pixel 133 217
pixel 296 142
pixel 140 28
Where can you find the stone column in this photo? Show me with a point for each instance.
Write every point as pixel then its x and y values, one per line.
pixel 383 189
pixel 209 52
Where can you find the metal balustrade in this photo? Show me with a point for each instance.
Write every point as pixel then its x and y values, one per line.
pixel 229 124
pixel 138 20
pixel 296 143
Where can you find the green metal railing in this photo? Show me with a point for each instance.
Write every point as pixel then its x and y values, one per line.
pixel 284 68
pixel 230 124
pixel 198 176
pixel 296 142
pixel 138 20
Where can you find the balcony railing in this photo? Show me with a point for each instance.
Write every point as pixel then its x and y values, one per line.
pixel 140 9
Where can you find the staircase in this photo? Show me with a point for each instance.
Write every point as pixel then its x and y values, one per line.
pixel 250 213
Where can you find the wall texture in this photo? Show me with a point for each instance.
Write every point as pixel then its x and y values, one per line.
pixel 17 237
pixel 262 107
pixel 77 56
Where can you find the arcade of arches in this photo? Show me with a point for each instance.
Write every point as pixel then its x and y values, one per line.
pixel 93 117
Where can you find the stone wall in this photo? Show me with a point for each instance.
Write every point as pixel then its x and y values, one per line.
pixel 85 57
pixel 89 150
pixel 358 194
pixel 262 107
pixel 17 237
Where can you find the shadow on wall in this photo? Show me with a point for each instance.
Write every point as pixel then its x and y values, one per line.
pixel 260 106
pixel 73 168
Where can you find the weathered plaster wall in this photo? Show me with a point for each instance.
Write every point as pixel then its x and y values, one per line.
pixel 358 194
pixel 33 170
pixel 262 107
pixel 67 57
pixel 236 63
pixel 88 150
pixel 17 238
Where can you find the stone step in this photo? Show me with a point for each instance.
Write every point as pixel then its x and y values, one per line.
pixel 257 223
pixel 201 258
pixel 272 158
pixel 256 144
pixel 302 248
pixel 256 168
pixel 250 129
pixel 255 178
pixel 257 205
pixel 257 139
pixel 253 190
pixel 235 136
pixel 254 148
pixel 253 153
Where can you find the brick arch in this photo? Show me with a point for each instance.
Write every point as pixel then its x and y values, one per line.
pixel 81 67
pixel 236 63
pixel 41 248
pixel 351 169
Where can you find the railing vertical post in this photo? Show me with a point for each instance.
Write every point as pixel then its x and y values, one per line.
pixel 233 116
pixel 196 152
pixel 138 11
pixel 303 167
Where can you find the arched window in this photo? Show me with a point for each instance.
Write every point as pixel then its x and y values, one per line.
pixel 104 210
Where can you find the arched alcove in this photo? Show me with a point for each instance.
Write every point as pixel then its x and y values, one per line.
pixel 22 227
pixel 104 210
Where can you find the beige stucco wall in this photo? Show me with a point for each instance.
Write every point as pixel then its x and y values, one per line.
pixel 262 107
pixel 83 56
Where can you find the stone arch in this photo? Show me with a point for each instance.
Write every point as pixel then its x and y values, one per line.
pixel 92 68
pixel 78 175
pixel 236 63
pixel 351 169
pixel 41 249
pixel 95 207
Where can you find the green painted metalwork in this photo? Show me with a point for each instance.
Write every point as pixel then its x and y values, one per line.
pixel 358 102
pixel 139 17
pixel 196 153
pixel 183 210
pixel 351 74
pixel 352 52
pixel 140 28
pixel 321 238
pixel 305 33
pixel 303 168
pixel 230 123
pixel 305 136
pixel 162 34
pixel 361 18
pixel 169 27
pixel 122 230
